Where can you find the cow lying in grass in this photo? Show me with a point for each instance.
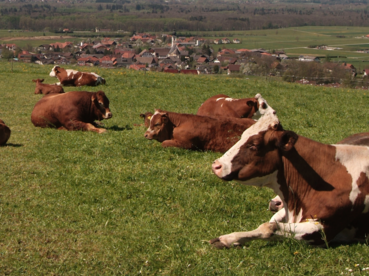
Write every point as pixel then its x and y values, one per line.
pixel 43 88
pixel 69 77
pixel 325 188
pixel 4 133
pixel 223 105
pixel 76 110
pixel 195 132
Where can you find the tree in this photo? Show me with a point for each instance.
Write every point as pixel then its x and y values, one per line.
pixel 7 54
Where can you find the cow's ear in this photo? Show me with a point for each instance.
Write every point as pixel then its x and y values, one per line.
pixel 41 80
pixel 251 103
pixel 93 97
pixel 164 117
pixel 286 140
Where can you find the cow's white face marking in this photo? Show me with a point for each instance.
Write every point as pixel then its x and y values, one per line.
pixel 355 159
pixel 269 119
pixel 263 107
pixel 52 73
pixel 95 75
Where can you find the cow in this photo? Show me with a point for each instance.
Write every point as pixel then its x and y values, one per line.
pixel 76 110
pixel 195 132
pixel 361 139
pixel 4 133
pixel 43 88
pixel 223 105
pixel 69 77
pixel 147 117
pixel 324 188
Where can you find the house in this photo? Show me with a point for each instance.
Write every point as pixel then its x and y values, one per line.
pixel 108 61
pixel 26 56
pixel 138 67
pixel 11 47
pixel 189 72
pixel 236 40
pixel 366 72
pixel 169 70
pixel 217 41
pixel 225 40
pixel 233 68
pixel 309 58
pixel 161 53
pixel 226 52
pixel 349 67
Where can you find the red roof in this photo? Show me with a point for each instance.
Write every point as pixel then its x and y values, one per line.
pixel 188 71
pixel 171 71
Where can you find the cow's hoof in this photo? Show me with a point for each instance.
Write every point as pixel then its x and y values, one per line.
pixel 218 244
pixel 101 130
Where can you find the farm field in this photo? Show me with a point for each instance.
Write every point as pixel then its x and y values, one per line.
pixel 81 203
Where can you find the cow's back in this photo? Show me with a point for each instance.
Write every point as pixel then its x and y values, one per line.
pixel 54 108
pixel 212 106
pixel 361 139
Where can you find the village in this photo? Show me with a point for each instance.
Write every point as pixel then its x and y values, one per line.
pixel 171 54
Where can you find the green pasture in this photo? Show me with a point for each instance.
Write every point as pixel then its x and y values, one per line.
pixel 81 203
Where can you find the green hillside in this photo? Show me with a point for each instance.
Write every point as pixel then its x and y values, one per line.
pixel 80 203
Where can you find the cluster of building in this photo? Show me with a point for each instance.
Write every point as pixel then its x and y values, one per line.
pixel 180 54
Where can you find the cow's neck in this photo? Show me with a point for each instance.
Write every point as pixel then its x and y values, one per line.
pixel 175 118
pixel 305 170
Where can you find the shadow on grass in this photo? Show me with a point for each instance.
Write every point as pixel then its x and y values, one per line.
pixel 117 128
pixel 12 145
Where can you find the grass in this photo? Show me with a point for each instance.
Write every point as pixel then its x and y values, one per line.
pixel 80 203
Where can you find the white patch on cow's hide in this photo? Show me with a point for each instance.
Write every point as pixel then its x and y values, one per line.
pixel 219 99
pixel 94 74
pixel 230 99
pixel 355 159
pixel 71 72
pixel 291 217
pixel 299 230
pixel 280 216
pixel 269 119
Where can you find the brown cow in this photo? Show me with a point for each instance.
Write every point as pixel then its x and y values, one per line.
pixel 196 132
pixel 324 188
pixel 43 88
pixel 69 77
pixel 75 110
pixel 359 139
pixel 4 133
pixel 223 105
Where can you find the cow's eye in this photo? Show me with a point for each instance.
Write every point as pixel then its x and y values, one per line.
pixel 158 124
pixel 253 147
pixel 101 104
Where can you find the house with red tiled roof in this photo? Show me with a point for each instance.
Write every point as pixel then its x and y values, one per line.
pixel 108 61
pixel 137 67
pixel 61 45
pixel 233 68
pixel 226 52
pixel 11 47
pixel 236 40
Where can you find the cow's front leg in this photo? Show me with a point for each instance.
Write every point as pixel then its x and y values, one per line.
pixel 264 231
pixel 310 231
pixel 78 125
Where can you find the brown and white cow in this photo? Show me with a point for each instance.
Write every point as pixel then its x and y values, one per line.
pixel 223 105
pixel 43 88
pixel 324 188
pixel 359 139
pixel 69 77
pixel 4 133
pixel 196 132
pixel 76 110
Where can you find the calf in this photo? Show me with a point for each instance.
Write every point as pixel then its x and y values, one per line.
pixel 69 77
pixel 195 132
pixel 324 188
pixel 4 133
pixel 42 88
pixel 75 110
pixel 222 105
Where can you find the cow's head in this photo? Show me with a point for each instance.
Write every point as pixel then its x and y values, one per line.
pixel 101 102
pixel 261 106
pixel 38 80
pixel 254 159
pixel 54 71
pixel 159 128
pixel 147 117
